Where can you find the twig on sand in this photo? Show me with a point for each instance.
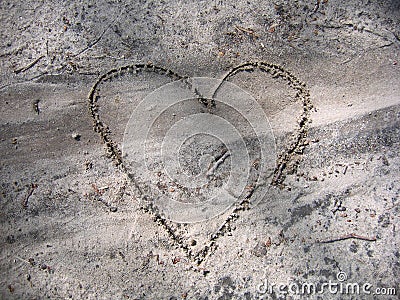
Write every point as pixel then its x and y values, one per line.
pixel 217 163
pixel 23 260
pixel 30 192
pixel 349 236
pixel 92 44
pixel 26 68
pixel 246 30
pixel 316 7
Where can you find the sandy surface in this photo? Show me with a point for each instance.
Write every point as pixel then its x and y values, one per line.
pixel 75 225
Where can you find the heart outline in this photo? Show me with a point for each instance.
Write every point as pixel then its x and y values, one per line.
pixel 113 151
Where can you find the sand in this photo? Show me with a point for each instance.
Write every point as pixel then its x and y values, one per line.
pixel 75 221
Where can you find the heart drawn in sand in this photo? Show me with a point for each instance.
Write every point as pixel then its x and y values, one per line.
pixel 198 148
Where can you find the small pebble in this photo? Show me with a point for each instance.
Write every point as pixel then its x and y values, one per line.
pixel 76 136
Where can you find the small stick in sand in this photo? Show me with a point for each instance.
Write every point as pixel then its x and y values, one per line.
pixel 349 236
